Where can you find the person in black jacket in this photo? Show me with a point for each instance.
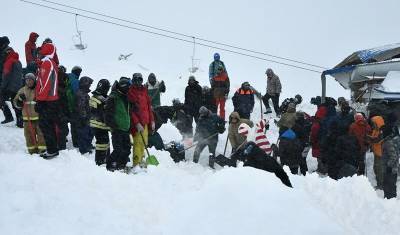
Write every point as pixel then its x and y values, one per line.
pixel 97 121
pixel 302 128
pixel 208 99
pixel 63 107
pixel 290 150
pixel 345 117
pixel 243 101
pixel 4 42
pixel 182 119
pixel 83 115
pixel 12 81
pixel 253 156
pixel 193 93
pixel 207 130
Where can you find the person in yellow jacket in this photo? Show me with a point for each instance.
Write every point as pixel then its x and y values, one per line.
pixel 376 141
pixel 25 100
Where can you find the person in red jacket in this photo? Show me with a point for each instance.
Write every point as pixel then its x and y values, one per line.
pixel 314 136
pixel 31 52
pixel 142 120
pixel 220 86
pixel 360 129
pixel 47 99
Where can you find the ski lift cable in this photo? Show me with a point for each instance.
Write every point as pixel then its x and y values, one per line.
pixel 172 37
pixel 185 35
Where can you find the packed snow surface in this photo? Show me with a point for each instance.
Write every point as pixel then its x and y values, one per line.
pixel 71 195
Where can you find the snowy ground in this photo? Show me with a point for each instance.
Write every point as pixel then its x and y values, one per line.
pixel 71 195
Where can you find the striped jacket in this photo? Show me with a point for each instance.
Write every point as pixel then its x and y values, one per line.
pixel 97 111
pixel 261 139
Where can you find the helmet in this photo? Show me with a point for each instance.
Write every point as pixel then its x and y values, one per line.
pixel 77 70
pixel 217 57
pixel 30 76
pixel 123 85
pixel 298 99
pixel 137 79
pixel 191 80
pixel 152 79
pixel 85 82
pixel 103 86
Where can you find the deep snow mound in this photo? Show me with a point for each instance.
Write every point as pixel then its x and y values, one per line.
pixel 71 195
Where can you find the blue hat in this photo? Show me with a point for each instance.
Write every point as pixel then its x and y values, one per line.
pixel 216 56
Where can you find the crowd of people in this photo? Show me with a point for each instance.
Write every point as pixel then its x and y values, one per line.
pixel 50 104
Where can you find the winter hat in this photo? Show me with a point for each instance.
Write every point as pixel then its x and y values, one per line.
pixel 203 111
pixel 152 78
pixel 217 57
pixel 85 82
pixel 358 117
pixel 62 69
pixel 244 129
pixel 47 40
pixel 77 70
pixel 123 85
pixel 176 102
pixel 269 72
pixel 30 76
pixel 137 79
pixel 192 80
pixel 341 100
pixel 103 86
pixel 298 99
pixel 246 85
pixel 4 42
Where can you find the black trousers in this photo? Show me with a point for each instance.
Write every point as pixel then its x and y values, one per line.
pixel 73 120
pixel 212 146
pixel 48 113
pixel 389 185
pixel 275 101
pixel 62 130
pixel 102 145
pixel 122 148
pixel 244 115
pixel 9 96
pixel 84 138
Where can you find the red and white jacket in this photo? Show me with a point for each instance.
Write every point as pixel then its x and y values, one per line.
pixel 46 88
pixel 261 139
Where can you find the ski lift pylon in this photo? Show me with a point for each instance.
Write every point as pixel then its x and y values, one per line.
pixel 77 39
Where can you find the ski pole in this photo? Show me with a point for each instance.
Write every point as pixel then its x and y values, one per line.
pixel 226 144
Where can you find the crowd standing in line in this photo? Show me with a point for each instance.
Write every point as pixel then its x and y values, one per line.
pixel 45 99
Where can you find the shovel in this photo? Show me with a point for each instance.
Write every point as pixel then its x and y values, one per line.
pixel 151 159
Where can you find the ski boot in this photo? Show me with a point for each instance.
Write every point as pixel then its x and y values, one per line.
pixel 47 155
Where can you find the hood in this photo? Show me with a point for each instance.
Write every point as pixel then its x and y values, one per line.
pixel 13 55
pixel 379 122
pixel 234 115
pixel 48 50
pixel 33 36
pixel 321 112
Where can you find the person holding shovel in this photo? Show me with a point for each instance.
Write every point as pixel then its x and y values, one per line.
pixel 207 130
pixel 25 100
pixel 142 120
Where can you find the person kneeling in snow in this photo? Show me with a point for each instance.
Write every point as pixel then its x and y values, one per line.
pixel 254 156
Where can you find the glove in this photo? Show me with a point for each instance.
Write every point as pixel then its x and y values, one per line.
pixel 153 126
pixel 139 127
pixel 22 97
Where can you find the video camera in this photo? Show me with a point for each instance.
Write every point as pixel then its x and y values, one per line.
pixel 329 101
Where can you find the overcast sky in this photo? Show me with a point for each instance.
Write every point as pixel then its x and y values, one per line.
pixel 319 32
